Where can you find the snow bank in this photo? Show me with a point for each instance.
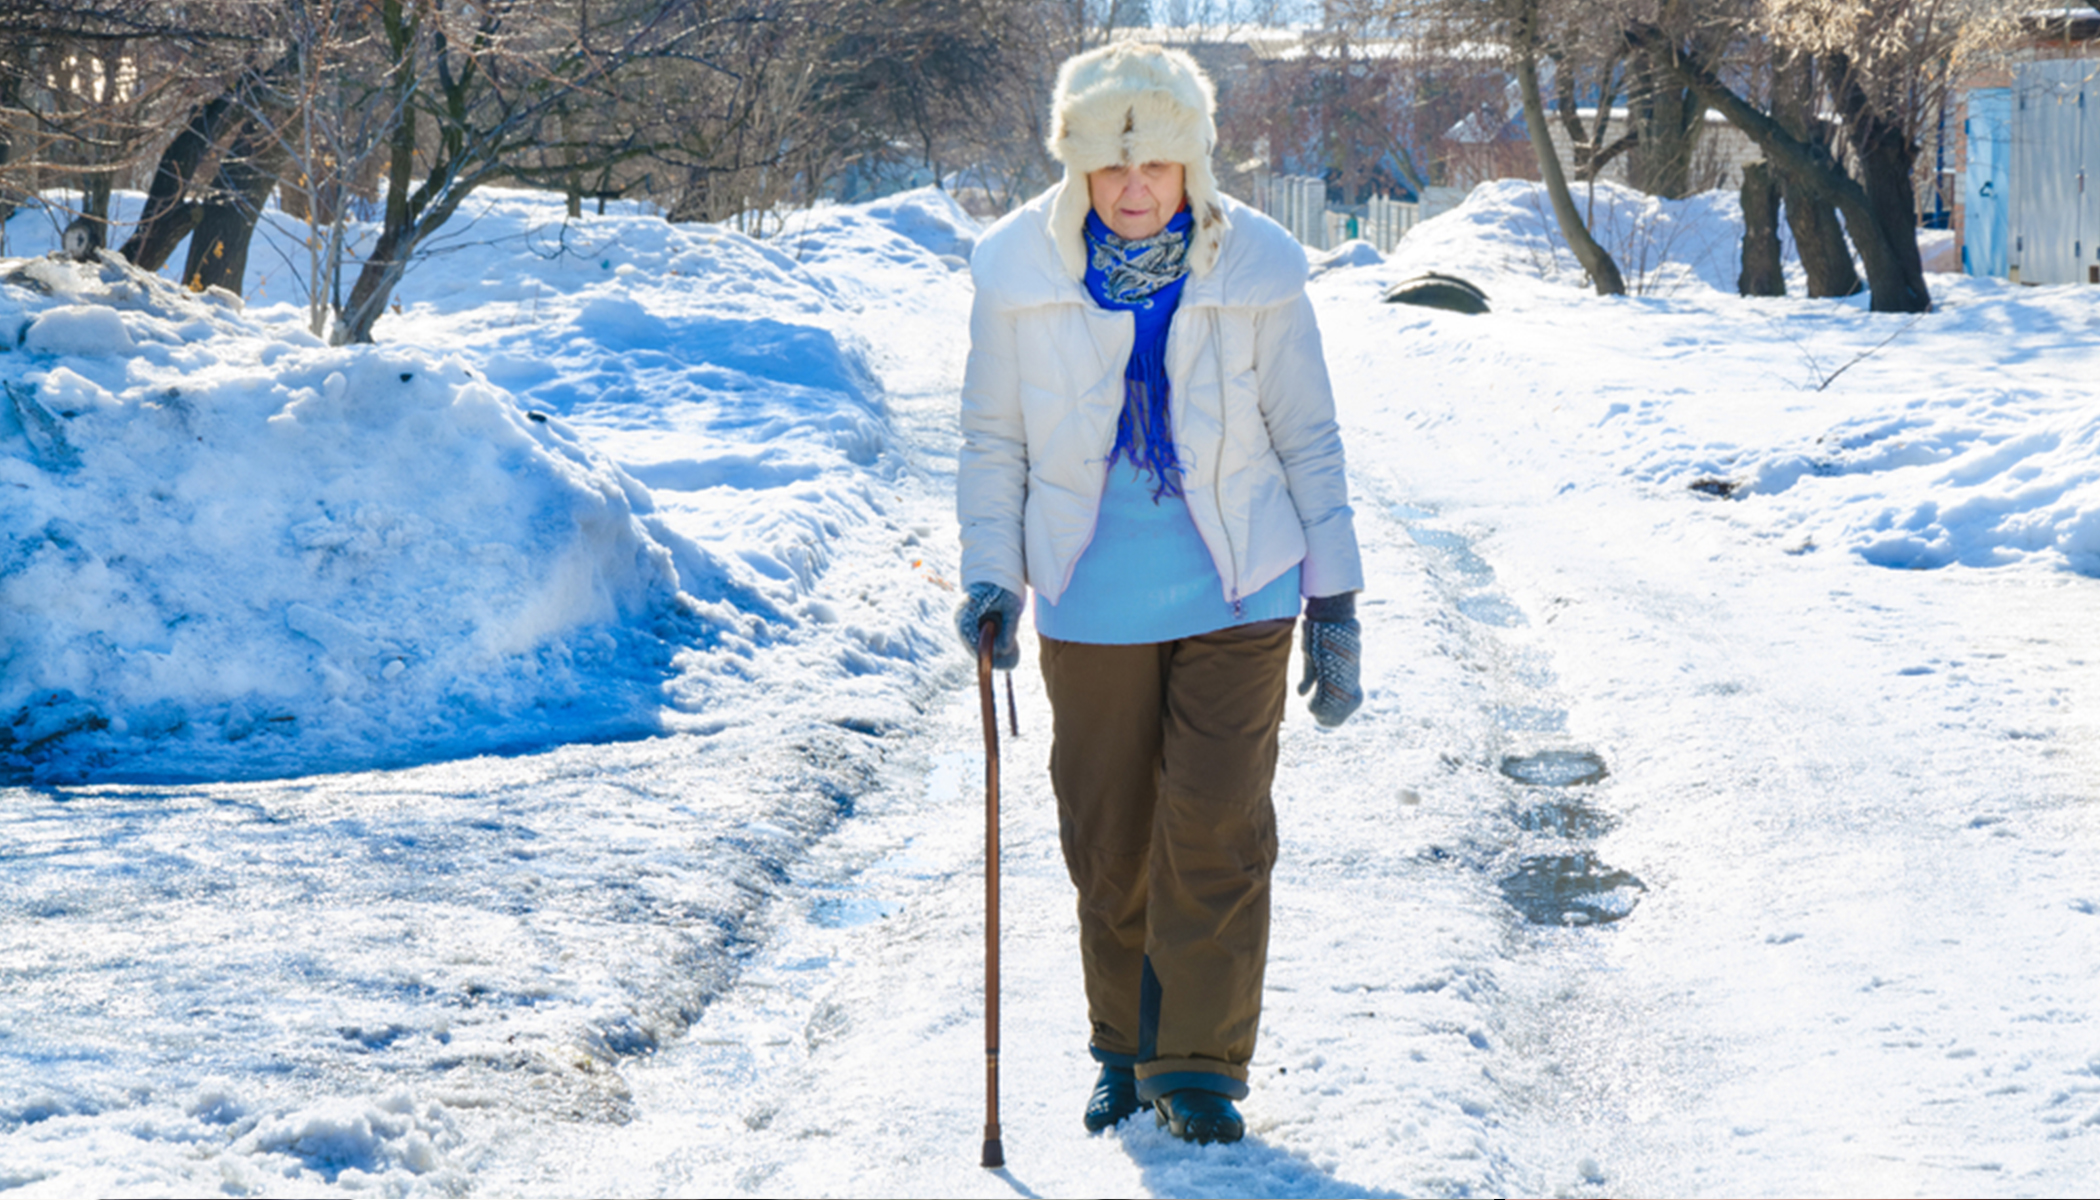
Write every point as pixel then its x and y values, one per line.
pixel 1937 484
pixel 234 551
pixel 1811 414
pixel 590 468
pixel 392 1145
pixel 1353 253
pixel 1505 230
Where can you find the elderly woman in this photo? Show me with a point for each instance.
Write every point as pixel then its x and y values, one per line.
pixel 1149 443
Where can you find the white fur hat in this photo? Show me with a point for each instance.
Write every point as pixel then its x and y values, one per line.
pixel 1133 103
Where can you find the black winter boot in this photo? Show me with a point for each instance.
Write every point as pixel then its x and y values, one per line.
pixel 1115 1098
pixel 1194 1115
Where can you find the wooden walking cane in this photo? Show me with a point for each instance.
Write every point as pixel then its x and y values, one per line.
pixel 988 633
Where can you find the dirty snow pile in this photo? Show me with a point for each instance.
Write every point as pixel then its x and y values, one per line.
pixel 234 551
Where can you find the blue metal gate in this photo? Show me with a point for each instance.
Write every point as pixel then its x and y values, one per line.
pixel 1986 214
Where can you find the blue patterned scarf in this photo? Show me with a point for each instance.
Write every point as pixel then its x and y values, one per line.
pixel 1143 276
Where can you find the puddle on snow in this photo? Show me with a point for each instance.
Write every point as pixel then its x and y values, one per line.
pixel 1456 552
pixel 1555 768
pixel 1531 718
pixel 847 912
pixel 1492 608
pixel 1549 889
pixel 1571 889
pixel 1565 817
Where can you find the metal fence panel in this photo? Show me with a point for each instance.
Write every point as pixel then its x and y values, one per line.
pixel 1299 204
pixel 2052 231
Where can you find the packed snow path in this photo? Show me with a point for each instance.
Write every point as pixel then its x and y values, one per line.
pixel 1828 922
pixel 1858 959
pixel 1846 822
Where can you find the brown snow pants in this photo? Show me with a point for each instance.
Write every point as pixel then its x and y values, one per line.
pixel 1161 761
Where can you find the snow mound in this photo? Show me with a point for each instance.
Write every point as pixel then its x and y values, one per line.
pixel 233 551
pixel 1978 486
pixel 930 217
pixel 1355 252
pixel 1505 228
pixel 888 252
pixel 392 1145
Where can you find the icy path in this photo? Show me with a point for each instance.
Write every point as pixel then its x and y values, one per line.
pixel 1860 799
pixel 848 1059
pixel 1830 924
pixel 1847 808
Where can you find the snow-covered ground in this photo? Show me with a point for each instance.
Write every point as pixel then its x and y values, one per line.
pixel 1719 821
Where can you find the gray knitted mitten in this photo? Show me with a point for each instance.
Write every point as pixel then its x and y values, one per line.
pixel 990 600
pixel 1333 648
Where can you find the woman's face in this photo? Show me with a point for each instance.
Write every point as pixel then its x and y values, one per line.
pixel 1136 202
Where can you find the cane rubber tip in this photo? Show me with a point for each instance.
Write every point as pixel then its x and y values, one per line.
pixel 994 1154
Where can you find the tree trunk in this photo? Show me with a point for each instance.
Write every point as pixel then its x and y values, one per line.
pixel 1667 121
pixel 7 153
pixel 226 221
pixel 1819 238
pixel 99 183
pixel 375 285
pixel 1896 287
pixel 1603 272
pixel 1761 275
pixel 95 189
pixel 1886 157
pixel 572 179
pixel 168 217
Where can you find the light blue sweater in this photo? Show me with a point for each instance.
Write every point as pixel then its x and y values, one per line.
pixel 1147 576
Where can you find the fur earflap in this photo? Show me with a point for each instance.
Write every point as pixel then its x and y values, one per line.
pixel 1132 103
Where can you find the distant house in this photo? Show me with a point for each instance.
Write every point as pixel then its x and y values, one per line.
pixel 1718 155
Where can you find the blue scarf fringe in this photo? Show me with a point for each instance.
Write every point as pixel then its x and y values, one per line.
pixel 1143 276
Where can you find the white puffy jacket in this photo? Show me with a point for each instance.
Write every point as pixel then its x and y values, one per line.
pixel 1252 412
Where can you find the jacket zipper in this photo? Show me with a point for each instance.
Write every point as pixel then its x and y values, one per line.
pixel 1072 567
pixel 1217 478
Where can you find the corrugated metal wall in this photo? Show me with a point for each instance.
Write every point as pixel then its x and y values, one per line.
pixel 2054 217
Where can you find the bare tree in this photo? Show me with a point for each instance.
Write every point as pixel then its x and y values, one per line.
pixel 1877 65
pixel 491 83
pixel 1594 146
pixel 88 87
pixel 328 116
pixel 1526 32
pixel 1356 102
pixel 1525 22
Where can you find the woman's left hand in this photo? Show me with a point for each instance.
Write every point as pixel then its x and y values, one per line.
pixel 1333 647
